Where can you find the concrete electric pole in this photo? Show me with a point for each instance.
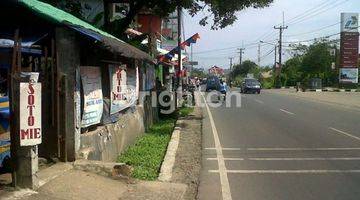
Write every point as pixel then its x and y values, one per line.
pixel 281 30
pixel 241 52
pixel 259 52
pixel 231 59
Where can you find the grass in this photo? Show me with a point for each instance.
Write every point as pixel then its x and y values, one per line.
pixel 148 152
pixel 185 111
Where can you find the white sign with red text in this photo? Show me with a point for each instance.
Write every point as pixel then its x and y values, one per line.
pixel 124 87
pixel 30 114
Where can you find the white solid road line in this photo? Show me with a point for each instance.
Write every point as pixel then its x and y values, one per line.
pixel 304 149
pixel 300 159
pixel 224 149
pixel 230 159
pixel 290 149
pixel 286 159
pixel 287 112
pixel 224 181
pixel 345 133
pixel 259 101
pixel 315 171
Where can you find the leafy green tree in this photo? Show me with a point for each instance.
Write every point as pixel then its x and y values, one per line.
pixel 198 73
pixel 71 6
pixel 291 71
pixel 221 13
pixel 316 62
pixel 245 68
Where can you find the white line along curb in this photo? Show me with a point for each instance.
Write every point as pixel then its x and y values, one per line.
pixel 169 160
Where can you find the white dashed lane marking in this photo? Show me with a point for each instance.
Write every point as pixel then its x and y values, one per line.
pixel 287 112
pixel 345 133
pixel 259 101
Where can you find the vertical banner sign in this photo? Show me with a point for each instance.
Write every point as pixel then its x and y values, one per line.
pixel 349 48
pixel 93 97
pixel 124 87
pixel 30 114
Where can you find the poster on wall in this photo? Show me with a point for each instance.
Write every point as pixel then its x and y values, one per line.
pixel 150 80
pixel 93 97
pixel 30 114
pixel 349 75
pixel 124 86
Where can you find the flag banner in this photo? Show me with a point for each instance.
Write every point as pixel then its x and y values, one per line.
pixel 192 40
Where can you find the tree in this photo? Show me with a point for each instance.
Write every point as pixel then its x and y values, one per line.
pixel 246 67
pixel 316 62
pixel 292 71
pixel 73 7
pixel 222 13
pixel 198 73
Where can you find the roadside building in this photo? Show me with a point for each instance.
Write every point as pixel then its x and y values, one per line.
pixel 90 102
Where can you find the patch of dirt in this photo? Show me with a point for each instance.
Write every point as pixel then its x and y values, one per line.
pixel 188 157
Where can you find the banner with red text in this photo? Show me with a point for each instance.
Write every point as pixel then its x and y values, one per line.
pixel 124 86
pixel 30 114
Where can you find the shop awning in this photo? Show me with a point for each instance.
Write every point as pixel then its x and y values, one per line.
pixel 58 16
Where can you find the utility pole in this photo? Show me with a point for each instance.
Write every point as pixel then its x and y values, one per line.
pixel 281 30
pixel 241 52
pixel 259 54
pixel 231 59
pixel 178 89
pixel 275 58
pixel 179 35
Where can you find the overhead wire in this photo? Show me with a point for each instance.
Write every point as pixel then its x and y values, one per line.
pixel 317 13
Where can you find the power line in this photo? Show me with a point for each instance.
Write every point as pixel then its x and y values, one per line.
pixel 315 8
pixel 267 54
pixel 312 10
pixel 250 45
pixel 309 40
pixel 312 31
pixel 316 13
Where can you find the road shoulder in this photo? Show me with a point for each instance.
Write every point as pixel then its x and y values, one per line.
pixel 187 165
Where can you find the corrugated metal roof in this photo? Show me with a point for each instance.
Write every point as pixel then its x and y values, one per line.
pixel 59 16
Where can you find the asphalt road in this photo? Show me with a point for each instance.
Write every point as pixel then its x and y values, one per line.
pixel 277 147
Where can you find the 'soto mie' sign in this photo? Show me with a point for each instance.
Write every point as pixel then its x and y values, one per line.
pixel 30 114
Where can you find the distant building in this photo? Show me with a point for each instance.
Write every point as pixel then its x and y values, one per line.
pixel 215 70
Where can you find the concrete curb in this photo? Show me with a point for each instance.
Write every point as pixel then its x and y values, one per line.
pixel 107 169
pixel 169 160
pixel 332 90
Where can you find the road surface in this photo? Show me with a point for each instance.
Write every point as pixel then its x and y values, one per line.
pixel 277 147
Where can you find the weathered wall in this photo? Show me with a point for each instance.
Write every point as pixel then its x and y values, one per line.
pixel 68 59
pixel 107 142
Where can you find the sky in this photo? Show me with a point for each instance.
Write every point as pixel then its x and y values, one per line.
pixel 306 19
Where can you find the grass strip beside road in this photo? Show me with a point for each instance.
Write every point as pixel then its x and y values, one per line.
pixel 148 152
pixel 185 111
